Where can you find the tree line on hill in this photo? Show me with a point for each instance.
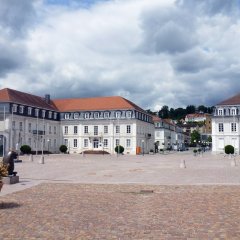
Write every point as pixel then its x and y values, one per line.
pixel 180 113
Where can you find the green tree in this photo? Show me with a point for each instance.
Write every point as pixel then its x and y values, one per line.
pixel 190 109
pixel 209 139
pixel 195 136
pixel 164 112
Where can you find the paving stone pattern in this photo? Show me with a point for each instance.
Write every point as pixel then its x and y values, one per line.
pixel 127 211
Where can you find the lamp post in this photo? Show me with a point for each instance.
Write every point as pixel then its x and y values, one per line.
pixel 143 147
pixel 42 157
pixel 48 145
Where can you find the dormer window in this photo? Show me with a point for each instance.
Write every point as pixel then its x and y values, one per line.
pixel 55 115
pixel 29 111
pixel 118 114
pixel 43 113
pixel 96 115
pixel 66 116
pixel 14 108
pixel 21 109
pixel 49 114
pixel 129 114
pixel 36 112
pixel 106 115
pixel 86 115
pixel 220 112
pixel 233 111
pixel 76 115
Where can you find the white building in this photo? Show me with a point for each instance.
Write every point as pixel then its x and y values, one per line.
pixel 225 125
pixel 82 124
pixel 168 134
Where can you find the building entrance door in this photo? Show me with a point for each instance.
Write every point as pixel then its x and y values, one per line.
pixel 95 143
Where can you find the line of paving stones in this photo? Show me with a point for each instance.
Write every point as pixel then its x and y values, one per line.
pixel 88 211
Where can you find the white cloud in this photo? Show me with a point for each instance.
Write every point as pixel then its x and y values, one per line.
pixel 152 52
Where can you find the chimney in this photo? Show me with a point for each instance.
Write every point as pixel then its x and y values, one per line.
pixel 47 98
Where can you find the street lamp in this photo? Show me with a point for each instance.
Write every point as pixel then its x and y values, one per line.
pixel 48 145
pixel 143 147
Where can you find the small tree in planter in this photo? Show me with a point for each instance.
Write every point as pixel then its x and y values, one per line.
pixel 195 152
pixel 63 148
pixel 229 149
pixel 119 149
pixel 25 149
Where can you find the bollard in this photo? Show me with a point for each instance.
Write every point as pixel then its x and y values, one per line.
pixel 41 161
pixel 233 163
pixel 31 158
pixel 182 164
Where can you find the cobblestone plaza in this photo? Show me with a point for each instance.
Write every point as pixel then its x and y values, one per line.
pixel 125 197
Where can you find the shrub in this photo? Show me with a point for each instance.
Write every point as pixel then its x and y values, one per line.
pixel 229 149
pixel 25 149
pixel 119 149
pixel 63 148
pixel 195 151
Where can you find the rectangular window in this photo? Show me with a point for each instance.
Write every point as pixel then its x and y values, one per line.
pixel 66 142
pixel 96 115
pixel 117 142
pixel 66 116
pixel 50 129
pixel 75 129
pixel 128 143
pixel 128 128
pixel 50 115
pixel 66 130
pixel 43 113
pixel 118 114
pixel 85 143
pixel 36 112
pixel 86 115
pixel 106 115
pixel 220 127
pixel 29 127
pixel 20 126
pixel 29 111
pixel 55 115
pixel 234 127
pixel 129 114
pixel 30 142
pixel 85 129
pixel 105 129
pixel 105 143
pixel 95 130
pixel 117 129
pixel 21 109
pixel 220 112
pixel 55 142
pixel 14 108
pixel 233 111
pixel 75 143
pixel 55 130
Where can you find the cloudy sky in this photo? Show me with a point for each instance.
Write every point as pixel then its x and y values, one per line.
pixel 153 52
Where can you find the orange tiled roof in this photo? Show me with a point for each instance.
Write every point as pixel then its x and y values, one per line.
pixel 156 118
pixel 14 96
pixel 97 103
pixel 67 105
pixel 235 100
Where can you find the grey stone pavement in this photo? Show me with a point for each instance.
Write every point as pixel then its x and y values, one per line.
pixel 125 197
pixel 158 169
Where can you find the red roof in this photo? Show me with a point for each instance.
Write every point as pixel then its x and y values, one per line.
pixel 235 100
pixel 67 105
pixel 13 96
pixel 97 103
